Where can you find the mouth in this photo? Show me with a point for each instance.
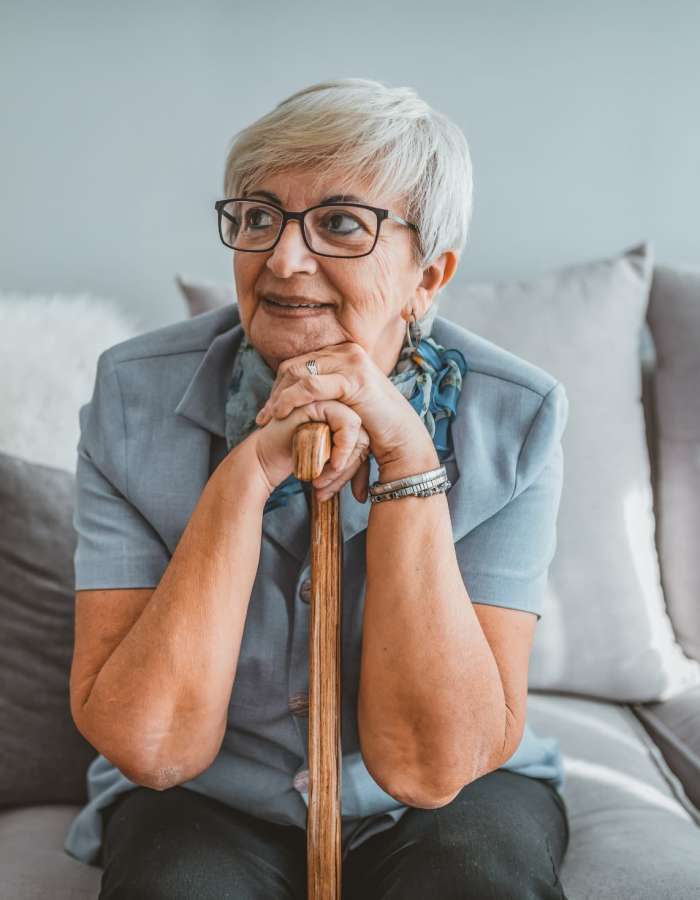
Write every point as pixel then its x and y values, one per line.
pixel 293 306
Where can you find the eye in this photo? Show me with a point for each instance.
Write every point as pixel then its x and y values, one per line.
pixel 334 217
pixel 254 215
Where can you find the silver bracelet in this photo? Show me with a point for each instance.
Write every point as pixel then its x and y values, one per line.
pixel 424 484
pixel 385 487
pixel 405 492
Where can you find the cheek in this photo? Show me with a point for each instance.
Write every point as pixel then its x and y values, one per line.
pixel 367 288
pixel 248 266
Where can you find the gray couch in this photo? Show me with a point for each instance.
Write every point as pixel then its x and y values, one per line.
pixel 632 766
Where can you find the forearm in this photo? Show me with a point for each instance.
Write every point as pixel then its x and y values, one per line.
pixel 431 704
pixel 162 696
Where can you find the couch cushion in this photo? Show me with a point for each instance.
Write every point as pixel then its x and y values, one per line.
pixel 634 833
pixel 33 863
pixel 44 756
pixel 674 317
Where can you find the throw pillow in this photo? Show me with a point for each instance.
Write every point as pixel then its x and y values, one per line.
pixel 44 756
pixel 48 358
pixel 605 631
pixel 674 316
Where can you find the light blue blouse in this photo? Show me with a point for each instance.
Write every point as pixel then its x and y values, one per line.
pixel 151 436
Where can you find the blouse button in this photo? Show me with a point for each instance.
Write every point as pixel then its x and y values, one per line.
pixel 299 704
pixel 301 781
pixel 305 591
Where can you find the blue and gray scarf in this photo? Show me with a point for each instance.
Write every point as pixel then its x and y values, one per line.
pixel 429 376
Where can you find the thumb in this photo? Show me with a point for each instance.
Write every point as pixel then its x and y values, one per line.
pixel 360 482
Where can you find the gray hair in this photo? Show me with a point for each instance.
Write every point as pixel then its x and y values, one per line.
pixel 353 127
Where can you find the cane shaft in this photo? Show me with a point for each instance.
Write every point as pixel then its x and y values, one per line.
pixel 312 447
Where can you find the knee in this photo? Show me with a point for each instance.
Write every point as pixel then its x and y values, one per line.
pixel 148 884
pixel 163 876
pixel 467 872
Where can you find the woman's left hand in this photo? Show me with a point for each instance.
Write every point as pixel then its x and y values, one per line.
pixel 347 373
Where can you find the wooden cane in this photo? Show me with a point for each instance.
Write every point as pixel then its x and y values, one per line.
pixel 311 448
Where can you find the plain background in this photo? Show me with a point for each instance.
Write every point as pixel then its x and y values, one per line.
pixel 582 120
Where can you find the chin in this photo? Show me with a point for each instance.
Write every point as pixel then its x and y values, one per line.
pixel 286 340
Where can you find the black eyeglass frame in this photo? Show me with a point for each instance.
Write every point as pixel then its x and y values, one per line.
pixel 380 213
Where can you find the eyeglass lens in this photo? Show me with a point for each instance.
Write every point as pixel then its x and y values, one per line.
pixel 334 230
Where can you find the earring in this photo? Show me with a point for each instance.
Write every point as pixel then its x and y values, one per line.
pixel 416 332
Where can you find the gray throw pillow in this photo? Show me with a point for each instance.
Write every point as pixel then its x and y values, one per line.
pixel 43 757
pixel 674 316
pixel 203 296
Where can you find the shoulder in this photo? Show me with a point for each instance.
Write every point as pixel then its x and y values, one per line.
pixel 150 372
pixel 193 335
pixel 139 382
pixel 511 415
pixel 493 367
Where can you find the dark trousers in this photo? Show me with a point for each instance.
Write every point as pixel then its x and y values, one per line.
pixel 503 836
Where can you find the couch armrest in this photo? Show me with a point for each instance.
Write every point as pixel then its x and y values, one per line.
pixel 674 726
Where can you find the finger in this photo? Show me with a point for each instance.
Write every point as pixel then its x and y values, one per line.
pixel 282 379
pixel 332 478
pixel 328 488
pixel 306 389
pixel 331 473
pixel 287 374
pixel 347 432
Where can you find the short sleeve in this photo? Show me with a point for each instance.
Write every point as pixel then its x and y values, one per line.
pixel 505 560
pixel 116 546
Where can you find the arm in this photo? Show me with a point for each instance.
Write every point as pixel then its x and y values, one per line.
pixel 444 676
pixel 171 676
pixel 431 702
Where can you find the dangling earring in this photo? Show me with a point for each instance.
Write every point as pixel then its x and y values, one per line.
pixel 416 331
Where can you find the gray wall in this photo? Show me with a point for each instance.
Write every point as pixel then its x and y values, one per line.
pixel 582 121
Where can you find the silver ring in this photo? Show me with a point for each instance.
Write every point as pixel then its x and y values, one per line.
pixel 311 366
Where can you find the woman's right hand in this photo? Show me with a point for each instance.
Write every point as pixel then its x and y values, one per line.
pixel 349 448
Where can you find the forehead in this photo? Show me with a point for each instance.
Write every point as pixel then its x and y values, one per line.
pixel 294 188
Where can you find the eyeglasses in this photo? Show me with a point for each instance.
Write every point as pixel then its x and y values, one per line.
pixel 329 229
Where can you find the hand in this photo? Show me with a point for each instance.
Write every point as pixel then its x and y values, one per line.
pixel 348 374
pixel 349 450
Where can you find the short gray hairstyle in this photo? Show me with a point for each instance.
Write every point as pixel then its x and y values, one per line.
pixel 355 127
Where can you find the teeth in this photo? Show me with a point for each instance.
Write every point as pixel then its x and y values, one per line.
pixel 297 305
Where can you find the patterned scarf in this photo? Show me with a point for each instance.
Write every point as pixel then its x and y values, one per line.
pixel 430 377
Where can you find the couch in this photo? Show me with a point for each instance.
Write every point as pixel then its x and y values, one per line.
pixel 615 669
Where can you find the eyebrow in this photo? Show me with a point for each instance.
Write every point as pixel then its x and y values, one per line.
pixel 336 198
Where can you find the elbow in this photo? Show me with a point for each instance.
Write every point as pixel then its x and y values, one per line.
pixel 160 776
pixel 422 797
pixel 434 786
pixel 157 779
pixel 419 791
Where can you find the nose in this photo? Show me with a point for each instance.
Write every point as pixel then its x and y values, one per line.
pixel 290 253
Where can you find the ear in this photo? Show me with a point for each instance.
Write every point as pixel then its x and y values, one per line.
pixel 435 276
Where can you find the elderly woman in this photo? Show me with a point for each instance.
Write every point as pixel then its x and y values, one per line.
pixel 346 209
